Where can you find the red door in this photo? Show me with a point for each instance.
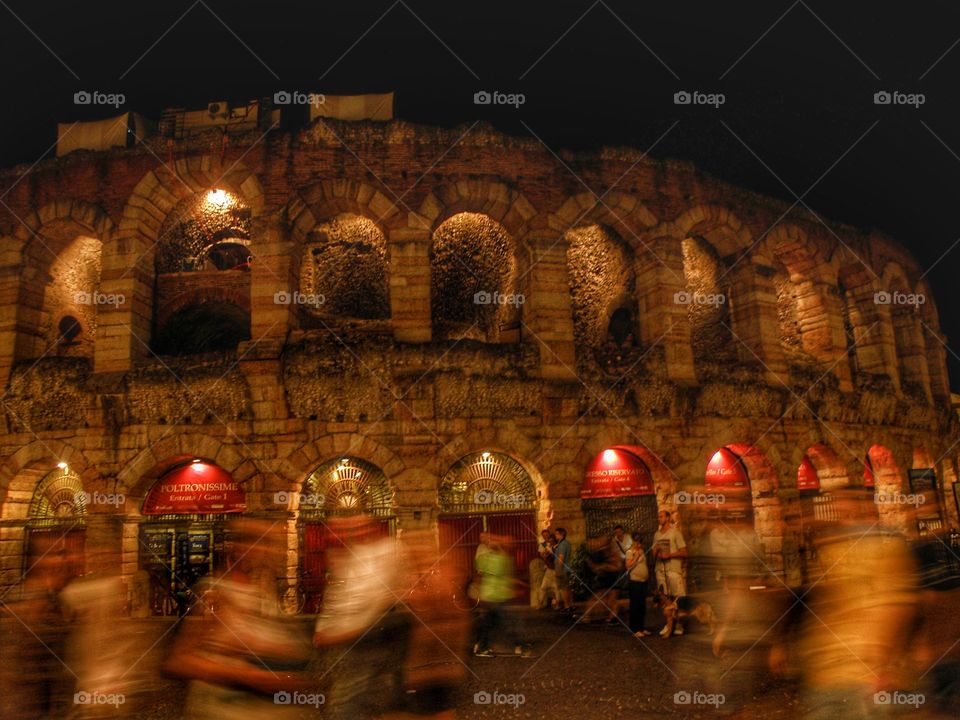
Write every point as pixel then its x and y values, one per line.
pixel 317 539
pixel 69 542
pixel 460 536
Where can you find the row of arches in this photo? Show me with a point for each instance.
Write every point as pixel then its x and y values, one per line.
pixel 176 529
pixel 466 264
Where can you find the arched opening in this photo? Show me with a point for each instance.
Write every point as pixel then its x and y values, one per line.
pixel 473 276
pixel 340 487
pixel 344 271
pixel 618 489
pixel 60 277
pixel 56 517
pixel 183 533
pixel 205 327
pixel 707 295
pixel 603 289
pixel 820 473
pixel 488 492
pixel 202 260
pixel 925 484
pixel 934 345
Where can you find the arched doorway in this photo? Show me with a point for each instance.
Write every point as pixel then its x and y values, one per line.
pixel 337 488
pixel 492 492
pixel 56 517
pixel 618 489
pixel 183 534
pixel 925 492
pixel 820 473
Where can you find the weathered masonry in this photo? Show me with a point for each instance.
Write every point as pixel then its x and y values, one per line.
pixel 446 329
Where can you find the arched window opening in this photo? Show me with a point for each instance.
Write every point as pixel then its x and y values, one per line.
pixel 473 273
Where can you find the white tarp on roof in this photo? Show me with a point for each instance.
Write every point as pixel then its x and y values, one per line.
pixel 377 106
pixel 100 134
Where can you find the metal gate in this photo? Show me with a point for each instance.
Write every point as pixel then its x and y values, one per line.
pixel 634 513
pixel 460 537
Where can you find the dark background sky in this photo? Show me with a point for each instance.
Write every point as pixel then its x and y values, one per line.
pixel 800 98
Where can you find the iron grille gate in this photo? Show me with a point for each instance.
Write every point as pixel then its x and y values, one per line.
pixel 634 513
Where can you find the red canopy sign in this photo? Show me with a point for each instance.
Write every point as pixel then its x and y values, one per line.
pixel 807 478
pixel 617 472
pixel 195 488
pixel 726 470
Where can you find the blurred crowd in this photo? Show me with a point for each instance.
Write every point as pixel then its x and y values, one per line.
pixel 872 632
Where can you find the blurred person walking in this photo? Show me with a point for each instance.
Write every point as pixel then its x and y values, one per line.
pixel 35 681
pixel 563 568
pixel 498 586
pixel 243 661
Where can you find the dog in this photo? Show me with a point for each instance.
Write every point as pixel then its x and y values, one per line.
pixel 674 610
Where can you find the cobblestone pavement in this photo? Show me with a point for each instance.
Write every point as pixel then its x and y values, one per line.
pixel 579 671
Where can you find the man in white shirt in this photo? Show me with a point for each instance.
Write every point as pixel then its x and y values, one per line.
pixel 669 549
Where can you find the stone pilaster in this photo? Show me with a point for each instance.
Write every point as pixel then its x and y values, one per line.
pixel 547 312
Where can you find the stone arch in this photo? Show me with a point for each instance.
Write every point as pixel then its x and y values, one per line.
pixel 603 283
pixel 901 300
pixel 807 306
pixel 139 473
pixel 719 225
pixel 19 472
pixel 866 332
pixel 621 212
pixel 934 343
pixel 313 204
pixel 132 248
pixel 496 200
pixel 59 249
pixel 832 470
pixel 305 459
pixel 707 297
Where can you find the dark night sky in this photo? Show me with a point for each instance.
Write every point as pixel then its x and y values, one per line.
pixel 800 97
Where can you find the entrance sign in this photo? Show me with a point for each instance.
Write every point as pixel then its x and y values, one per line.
pixel 195 488
pixel 807 478
pixel 726 470
pixel 618 471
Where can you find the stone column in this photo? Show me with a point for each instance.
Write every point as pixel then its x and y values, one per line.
pixel 663 319
pixel 820 317
pixel 547 311
pixel 123 330
pixel 410 282
pixel 753 310
pixel 9 304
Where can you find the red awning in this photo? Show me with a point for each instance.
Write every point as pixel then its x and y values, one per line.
pixel 617 471
pixel 726 470
pixel 195 488
pixel 807 478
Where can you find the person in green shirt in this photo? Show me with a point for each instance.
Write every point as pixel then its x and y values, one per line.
pixel 497 587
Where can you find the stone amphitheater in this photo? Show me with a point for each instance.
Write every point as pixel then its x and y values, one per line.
pixel 446 328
